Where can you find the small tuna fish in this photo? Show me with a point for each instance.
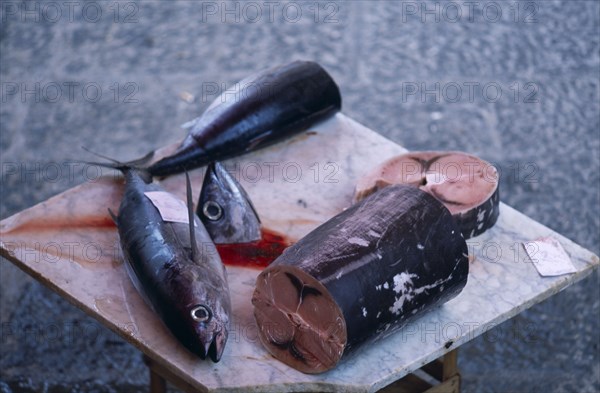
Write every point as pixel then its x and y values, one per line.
pixel 225 209
pixel 173 263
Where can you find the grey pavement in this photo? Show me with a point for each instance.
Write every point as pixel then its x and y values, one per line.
pixel 516 83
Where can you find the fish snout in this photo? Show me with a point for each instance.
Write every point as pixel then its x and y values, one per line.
pixel 214 347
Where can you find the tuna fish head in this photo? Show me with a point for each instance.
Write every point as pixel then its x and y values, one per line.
pixel 198 312
pixel 210 330
pixel 226 210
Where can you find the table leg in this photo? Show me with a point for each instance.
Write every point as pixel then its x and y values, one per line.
pixel 444 370
pixel 450 375
pixel 450 365
pixel 157 383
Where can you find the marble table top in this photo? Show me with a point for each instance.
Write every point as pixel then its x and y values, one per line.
pixel 69 244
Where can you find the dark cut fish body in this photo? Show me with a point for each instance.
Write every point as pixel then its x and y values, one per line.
pixel 260 111
pixel 173 279
pixel 225 208
pixel 360 275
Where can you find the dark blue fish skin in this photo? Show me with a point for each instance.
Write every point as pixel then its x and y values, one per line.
pixel 225 208
pixel 160 262
pixel 273 105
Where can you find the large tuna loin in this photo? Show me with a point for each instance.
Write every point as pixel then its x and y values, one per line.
pixel 361 274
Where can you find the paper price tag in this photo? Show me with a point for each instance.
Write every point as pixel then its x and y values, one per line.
pixel 549 257
pixel 170 207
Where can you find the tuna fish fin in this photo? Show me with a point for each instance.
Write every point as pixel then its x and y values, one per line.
pixel 124 166
pixel 141 162
pixel 113 216
pixel 257 140
pixel 190 205
pixel 190 124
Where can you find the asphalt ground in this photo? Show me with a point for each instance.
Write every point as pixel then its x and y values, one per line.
pixel 516 83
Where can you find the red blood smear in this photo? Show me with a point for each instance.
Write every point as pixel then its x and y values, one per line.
pixel 256 254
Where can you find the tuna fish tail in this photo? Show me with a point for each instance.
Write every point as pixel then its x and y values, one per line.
pixel 125 167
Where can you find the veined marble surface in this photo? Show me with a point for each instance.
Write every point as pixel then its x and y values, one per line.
pixel 68 243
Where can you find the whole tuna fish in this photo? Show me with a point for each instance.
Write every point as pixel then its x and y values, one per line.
pixel 174 265
pixel 259 111
pixel 225 208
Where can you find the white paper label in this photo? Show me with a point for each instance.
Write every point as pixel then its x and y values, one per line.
pixel 549 257
pixel 170 207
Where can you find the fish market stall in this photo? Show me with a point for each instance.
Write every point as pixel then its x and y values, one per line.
pixel 70 244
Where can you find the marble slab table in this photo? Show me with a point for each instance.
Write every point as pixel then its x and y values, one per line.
pixel 69 244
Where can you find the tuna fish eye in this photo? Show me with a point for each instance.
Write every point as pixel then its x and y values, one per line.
pixel 212 210
pixel 200 314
